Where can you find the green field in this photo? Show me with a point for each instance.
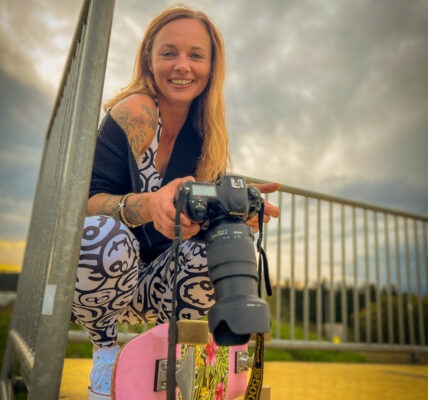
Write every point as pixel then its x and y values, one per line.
pixel 84 350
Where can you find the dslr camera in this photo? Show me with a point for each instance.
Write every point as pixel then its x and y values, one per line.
pixel 222 209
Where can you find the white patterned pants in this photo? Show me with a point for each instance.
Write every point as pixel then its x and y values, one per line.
pixel 113 284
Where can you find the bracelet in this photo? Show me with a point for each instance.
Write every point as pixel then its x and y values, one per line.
pixel 122 206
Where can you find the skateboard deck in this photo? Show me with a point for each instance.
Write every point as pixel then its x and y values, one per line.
pixel 218 372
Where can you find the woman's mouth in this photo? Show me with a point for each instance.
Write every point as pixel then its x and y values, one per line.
pixel 181 82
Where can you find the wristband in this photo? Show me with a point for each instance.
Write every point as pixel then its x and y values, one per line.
pixel 122 206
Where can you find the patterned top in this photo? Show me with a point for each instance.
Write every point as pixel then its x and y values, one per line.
pixel 151 179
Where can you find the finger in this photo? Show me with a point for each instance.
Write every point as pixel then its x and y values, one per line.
pixel 188 232
pixel 268 187
pixel 271 210
pixel 185 220
pixel 180 181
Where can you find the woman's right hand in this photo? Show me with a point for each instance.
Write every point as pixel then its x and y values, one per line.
pixel 162 210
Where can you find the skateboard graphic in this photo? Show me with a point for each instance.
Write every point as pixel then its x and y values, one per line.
pixel 204 370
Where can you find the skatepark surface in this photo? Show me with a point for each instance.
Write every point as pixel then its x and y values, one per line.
pixel 302 380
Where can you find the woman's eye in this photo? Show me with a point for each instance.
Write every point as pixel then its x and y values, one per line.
pixel 167 54
pixel 196 55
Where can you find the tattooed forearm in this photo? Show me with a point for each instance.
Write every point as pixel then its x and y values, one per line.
pixel 104 204
pixel 136 210
pixel 132 210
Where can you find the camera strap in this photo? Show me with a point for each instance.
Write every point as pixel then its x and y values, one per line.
pixel 263 267
pixel 255 382
pixel 173 328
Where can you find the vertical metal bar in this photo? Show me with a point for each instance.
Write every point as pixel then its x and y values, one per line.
pixel 379 332
pixel 266 226
pixel 292 265
pixel 278 292
pixel 424 228
pixel 409 296
pixel 332 310
pixel 399 287
pixel 306 272
pixel 388 283
pixel 74 185
pixel 319 288
pixel 356 299
pixel 421 324
pixel 425 245
pixel 367 273
pixel 344 302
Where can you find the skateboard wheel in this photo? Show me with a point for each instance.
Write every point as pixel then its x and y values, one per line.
pixel 193 332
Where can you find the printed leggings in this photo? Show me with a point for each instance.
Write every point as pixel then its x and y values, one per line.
pixel 113 284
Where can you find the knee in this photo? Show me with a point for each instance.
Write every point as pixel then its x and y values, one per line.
pixel 109 248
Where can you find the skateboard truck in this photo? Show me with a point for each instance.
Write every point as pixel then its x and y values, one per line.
pixel 191 333
pixel 243 361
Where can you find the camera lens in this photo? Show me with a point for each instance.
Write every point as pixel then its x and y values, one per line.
pixel 238 310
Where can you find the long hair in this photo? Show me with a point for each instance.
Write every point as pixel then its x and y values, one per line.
pixel 210 119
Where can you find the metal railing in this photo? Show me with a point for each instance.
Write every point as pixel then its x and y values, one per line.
pixel 347 275
pixel 38 333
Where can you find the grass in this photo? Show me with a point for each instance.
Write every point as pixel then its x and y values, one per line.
pixel 310 355
pixel 84 350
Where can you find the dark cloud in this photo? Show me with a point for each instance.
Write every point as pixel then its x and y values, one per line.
pixel 329 96
pixel 24 115
pixel 336 92
pixel 407 197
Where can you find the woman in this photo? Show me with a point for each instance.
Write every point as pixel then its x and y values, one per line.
pixel 166 127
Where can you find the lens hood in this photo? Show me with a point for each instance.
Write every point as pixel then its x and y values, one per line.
pixel 233 320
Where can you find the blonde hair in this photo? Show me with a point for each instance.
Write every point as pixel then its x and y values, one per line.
pixel 209 115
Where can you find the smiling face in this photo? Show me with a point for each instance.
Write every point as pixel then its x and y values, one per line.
pixel 181 61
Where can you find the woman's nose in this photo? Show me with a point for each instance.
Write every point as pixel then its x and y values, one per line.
pixel 182 64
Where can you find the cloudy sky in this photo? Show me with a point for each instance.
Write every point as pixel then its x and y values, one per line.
pixel 325 95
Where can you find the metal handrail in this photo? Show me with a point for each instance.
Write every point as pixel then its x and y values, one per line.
pixel 351 265
pixel 38 335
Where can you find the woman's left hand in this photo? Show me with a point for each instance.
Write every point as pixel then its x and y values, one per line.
pixel 270 209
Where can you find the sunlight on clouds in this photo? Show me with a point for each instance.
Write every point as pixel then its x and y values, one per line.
pixel 12 252
pixel 334 162
pixel 34 40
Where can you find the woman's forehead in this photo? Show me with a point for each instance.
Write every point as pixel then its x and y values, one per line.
pixel 185 31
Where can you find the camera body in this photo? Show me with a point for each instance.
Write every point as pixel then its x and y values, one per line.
pixel 222 209
pixel 229 197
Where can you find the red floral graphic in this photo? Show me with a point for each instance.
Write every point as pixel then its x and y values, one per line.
pixel 220 391
pixel 211 350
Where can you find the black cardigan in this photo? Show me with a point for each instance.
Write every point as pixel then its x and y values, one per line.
pixel 115 171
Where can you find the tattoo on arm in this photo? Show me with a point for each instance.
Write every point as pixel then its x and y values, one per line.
pixel 137 126
pixel 134 204
pixel 108 205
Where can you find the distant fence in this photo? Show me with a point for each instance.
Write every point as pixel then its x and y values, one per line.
pixel 347 275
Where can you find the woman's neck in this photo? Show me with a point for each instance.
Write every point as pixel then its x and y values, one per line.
pixel 173 118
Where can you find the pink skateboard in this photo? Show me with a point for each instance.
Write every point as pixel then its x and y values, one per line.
pixel 204 369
